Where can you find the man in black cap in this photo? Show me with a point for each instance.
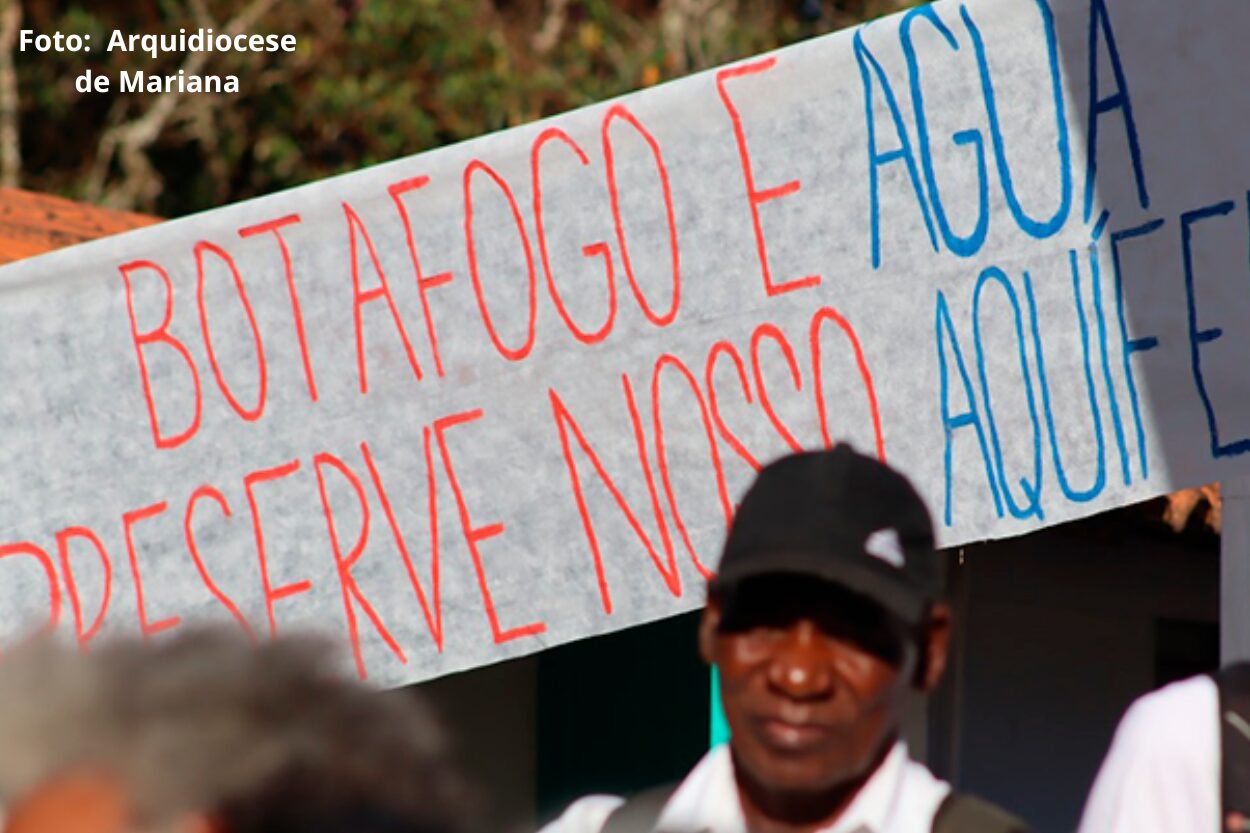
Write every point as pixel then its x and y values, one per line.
pixel 825 620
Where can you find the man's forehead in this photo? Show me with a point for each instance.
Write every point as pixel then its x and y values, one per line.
pixel 782 601
pixel 795 594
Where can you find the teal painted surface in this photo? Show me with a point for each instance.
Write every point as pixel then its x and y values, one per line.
pixel 720 729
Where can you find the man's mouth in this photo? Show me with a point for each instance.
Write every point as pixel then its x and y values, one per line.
pixel 794 736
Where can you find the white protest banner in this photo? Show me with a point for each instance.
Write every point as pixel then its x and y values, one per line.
pixel 503 395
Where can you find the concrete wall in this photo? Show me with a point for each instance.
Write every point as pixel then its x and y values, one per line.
pixel 1061 630
pixel 492 717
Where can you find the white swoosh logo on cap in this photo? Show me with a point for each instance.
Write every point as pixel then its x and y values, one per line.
pixel 884 544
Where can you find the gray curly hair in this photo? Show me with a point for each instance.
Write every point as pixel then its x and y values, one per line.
pixel 260 737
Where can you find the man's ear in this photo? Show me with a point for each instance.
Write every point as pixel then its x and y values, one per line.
pixel 708 626
pixel 935 641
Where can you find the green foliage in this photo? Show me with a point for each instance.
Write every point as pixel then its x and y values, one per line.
pixel 371 80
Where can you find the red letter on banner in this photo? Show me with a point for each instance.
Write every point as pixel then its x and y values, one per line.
pixel 159 334
pixel 620 111
pixel 829 314
pixel 661 453
pixel 763 331
pixel 434 618
pixel 71 585
pixel 356 228
pixel 45 561
pixel 726 348
pixel 248 414
pixel 347 582
pixel 755 197
pixel 129 519
pixel 272 594
pixel 424 283
pixel 566 425
pixel 475 535
pixel 226 601
pixel 507 352
pixel 596 249
pixel 297 314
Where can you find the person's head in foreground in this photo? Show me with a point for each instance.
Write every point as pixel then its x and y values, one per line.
pixel 824 620
pixel 207 733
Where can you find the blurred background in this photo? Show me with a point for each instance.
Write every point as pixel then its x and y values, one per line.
pixel 371 81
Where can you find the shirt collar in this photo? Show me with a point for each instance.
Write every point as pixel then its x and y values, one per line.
pixel 707 800
pixel 871 808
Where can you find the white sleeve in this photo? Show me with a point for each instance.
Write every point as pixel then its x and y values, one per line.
pixel 586 815
pixel 1162 772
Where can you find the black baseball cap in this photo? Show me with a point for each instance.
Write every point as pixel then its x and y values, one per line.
pixel 839 516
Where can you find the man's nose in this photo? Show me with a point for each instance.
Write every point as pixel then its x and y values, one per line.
pixel 800 669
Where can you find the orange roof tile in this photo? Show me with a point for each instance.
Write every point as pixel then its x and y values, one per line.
pixel 32 224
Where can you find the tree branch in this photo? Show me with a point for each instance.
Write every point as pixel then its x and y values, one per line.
pixel 128 143
pixel 553 25
pixel 10 138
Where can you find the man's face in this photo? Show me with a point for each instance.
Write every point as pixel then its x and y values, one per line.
pixel 814 680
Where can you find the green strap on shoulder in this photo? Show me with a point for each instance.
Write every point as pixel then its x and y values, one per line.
pixel 968 814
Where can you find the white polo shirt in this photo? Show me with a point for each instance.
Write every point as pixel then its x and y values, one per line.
pixel 1162 773
pixel 902 796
